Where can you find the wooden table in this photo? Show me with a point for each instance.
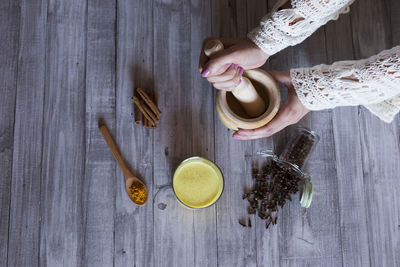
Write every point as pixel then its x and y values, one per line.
pixel 64 64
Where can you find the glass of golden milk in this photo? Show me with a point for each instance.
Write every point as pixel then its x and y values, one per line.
pixel 198 183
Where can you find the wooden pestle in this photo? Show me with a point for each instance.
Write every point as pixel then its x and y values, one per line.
pixel 245 92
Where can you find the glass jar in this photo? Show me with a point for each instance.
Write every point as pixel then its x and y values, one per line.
pixel 301 143
pixel 305 186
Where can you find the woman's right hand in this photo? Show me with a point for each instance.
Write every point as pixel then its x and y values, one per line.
pixel 289 113
pixel 225 68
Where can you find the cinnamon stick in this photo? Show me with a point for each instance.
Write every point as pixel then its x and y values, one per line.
pixel 147 123
pixel 144 110
pixel 155 98
pixel 149 102
pixel 137 113
pixel 149 112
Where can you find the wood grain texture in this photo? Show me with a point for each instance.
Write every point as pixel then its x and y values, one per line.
pixel 202 131
pixel 379 142
pixel 9 30
pixel 304 242
pixel 267 241
pixel 25 201
pixel 394 8
pixel 312 237
pixel 64 64
pixel 236 245
pixel 171 74
pixel 63 155
pixel 133 225
pixel 256 10
pixel 349 165
pixel 100 180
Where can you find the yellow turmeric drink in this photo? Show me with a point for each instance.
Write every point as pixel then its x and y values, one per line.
pixel 198 182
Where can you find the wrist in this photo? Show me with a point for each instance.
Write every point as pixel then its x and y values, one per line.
pixel 260 52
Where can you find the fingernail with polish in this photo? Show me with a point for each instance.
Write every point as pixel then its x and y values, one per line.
pixel 239 82
pixel 236 137
pixel 228 65
pixel 236 66
pixel 241 71
pixel 205 73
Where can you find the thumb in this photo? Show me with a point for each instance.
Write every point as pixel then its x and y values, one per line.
pixel 218 63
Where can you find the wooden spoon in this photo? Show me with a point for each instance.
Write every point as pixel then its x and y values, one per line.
pixel 130 179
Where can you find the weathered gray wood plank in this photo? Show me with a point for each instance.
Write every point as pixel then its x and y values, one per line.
pixel 100 180
pixel 173 140
pixel 312 237
pixel 395 21
pixel 267 244
pixel 379 143
pixel 68 207
pixel 9 30
pixel 236 245
pixel 202 131
pixel 349 167
pixel 133 224
pixel 306 238
pixel 25 194
pixel 270 240
pixel 63 165
pixel 256 10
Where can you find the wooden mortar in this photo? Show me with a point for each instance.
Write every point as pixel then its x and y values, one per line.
pixel 244 92
pixel 231 112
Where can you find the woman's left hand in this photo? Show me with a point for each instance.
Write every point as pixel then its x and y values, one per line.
pixel 290 113
pixel 225 68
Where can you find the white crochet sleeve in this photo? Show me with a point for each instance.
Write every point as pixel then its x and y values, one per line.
pixel 288 27
pixel 372 82
pixel 387 109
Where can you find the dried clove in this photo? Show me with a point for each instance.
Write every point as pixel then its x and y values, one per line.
pixel 251 210
pixel 273 186
pixel 242 222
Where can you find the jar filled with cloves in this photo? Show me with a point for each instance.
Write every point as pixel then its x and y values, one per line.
pixel 274 185
pixel 281 177
pixel 286 179
pixel 301 143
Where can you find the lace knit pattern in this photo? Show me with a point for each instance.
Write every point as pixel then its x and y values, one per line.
pixel 289 27
pixel 373 82
pixel 387 109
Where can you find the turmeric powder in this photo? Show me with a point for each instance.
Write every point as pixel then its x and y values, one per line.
pixel 138 192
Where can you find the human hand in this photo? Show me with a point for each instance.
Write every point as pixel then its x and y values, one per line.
pixel 225 68
pixel 290 113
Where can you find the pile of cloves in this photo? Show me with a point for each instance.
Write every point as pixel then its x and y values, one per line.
pixel 274 184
